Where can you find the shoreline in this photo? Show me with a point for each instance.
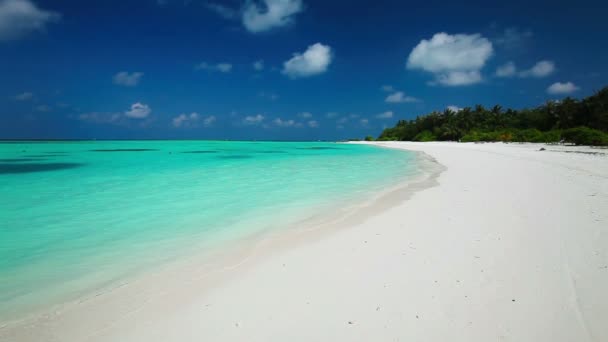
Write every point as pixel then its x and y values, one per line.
pixel 212 265
pixel 511 245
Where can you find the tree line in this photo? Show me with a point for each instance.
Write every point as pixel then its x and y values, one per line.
pixel 582 122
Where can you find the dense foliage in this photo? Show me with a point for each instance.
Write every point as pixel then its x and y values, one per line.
pixel 582 122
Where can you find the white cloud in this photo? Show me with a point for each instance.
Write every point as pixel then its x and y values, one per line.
pixel 223 11
pixel 313 124
pixel 184 120
pixel 272 14
pixel 513 38
pixel 506 70
pixel 21 17
pixel 388 88
pixel 560 88
pixel 127 79
pixel 385 115
pixel 305 115
pixel 192 120
pixel 459 78
pixel 315 60
pixel 331 115
pixel 253 119
pixel 454 60
pixel 400 97
pixel 24 96
pixel 540 69
pixel 208 121
pixel 221 67
pixel 286 123
pixel 138 111
pixel 224 67
pixel 258 65
pixel 454 109
pixel 364 122
pixel 102 118
pixel 43 108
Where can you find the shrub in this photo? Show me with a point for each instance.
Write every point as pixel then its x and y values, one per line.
pixel 585 136
pixel 369 138
pixel 387 139
pixel 553 136
pixel 425 136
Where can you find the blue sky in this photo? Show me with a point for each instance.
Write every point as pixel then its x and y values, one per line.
pixel 282 69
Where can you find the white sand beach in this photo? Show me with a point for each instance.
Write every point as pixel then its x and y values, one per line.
pixel 505 243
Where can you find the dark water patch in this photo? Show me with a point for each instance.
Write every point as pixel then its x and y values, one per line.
pixel 202 151
pixel 39 155
pixel 270 152
pixel 35 167
pixel 17 160
pixel 236 156
pixel 124 150
pixel 56 152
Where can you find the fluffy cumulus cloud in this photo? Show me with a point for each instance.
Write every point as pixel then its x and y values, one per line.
pixel 253 119
pixel 305 115
pixel 313 124
pixel 26 96
pixel 102 118
pixel 138 111
pixel 541 69
pixel 258 65
pixel 286 123
pixel 184 120
pixel 223 11
pixel 400 97
pixel 513 38
pixel 221 67
pixel 269 14
pixel 315 60
pixel 385 115
pixel 192 120
pixel 559 88
pixel 127 79
pixel 454 60
pixel 21 17
pixel 506 70
pixel 387 88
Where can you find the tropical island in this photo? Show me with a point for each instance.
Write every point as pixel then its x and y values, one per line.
pixel 580 122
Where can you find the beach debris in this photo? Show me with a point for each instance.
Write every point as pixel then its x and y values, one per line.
pixel 513 300
pixel 350 322
pixel 542 149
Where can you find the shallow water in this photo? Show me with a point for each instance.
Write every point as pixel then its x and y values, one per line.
pixel 78 215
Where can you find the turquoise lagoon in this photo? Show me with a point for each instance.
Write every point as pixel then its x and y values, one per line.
pixel 79 215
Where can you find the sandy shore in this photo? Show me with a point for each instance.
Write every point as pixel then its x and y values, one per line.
pixel 508 243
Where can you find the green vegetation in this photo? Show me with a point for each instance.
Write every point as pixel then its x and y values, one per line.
pixel 581 122
pixel 369 138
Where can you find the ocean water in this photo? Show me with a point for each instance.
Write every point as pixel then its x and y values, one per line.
pixel 78 215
